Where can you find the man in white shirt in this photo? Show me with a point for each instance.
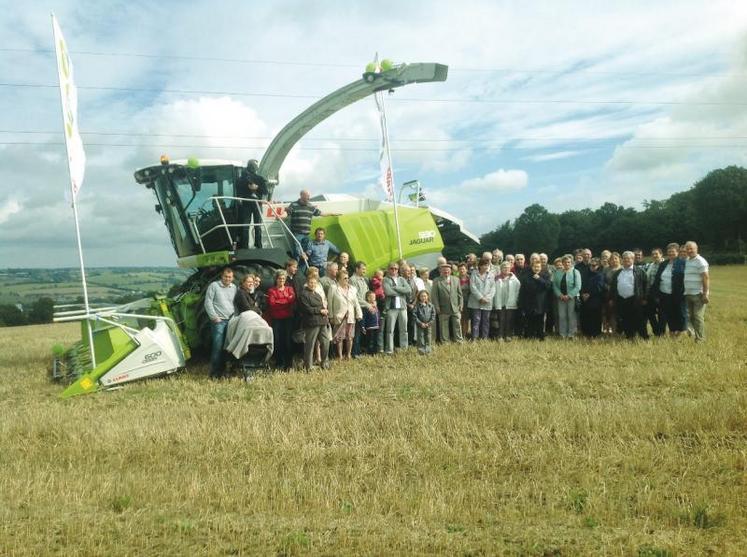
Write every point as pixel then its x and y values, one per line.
pixel 697 289
pixel 219 308
pixel 628 290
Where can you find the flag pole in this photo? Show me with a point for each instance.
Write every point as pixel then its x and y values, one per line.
pixel 74 188
pixel 385 131
pixel 388 178
pixel 85 285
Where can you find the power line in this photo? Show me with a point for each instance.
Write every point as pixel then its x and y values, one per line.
pixel 394 99
pixel 377 139
pixel 189 58
pixel 548 71
pixel 361 149
pixel 153 90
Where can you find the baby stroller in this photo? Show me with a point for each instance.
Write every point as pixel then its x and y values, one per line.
pixel 250 341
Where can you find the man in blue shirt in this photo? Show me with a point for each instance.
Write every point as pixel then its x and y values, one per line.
pixel 319 250
pixel 219 308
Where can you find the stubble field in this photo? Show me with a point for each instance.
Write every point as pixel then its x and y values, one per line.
pixel 527 448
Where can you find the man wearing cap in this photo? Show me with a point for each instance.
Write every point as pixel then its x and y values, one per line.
pixel 252 187
pixel 447 298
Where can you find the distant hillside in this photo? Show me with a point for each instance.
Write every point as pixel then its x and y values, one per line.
pixel 105 284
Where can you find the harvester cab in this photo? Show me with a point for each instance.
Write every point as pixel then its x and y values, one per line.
pixel 205 214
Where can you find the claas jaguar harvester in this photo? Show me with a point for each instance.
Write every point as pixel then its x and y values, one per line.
pixel 205 220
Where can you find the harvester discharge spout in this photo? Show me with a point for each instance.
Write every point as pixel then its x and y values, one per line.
pixel 370 83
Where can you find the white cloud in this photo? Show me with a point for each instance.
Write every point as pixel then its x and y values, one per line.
pixel 9 207
pixel 688 141
pixel 553 156
pixel 500 180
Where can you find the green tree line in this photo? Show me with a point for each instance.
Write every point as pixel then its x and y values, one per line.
pixel 39 312
pixel 713 212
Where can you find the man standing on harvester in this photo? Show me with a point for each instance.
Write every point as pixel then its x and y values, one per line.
pixel 300 213
pixel 253 188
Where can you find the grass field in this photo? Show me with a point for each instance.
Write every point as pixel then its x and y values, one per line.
pixel 575 448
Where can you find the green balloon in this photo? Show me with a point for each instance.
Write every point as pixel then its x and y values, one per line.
pixel 370 67
pixel 386 65
pixel 192 162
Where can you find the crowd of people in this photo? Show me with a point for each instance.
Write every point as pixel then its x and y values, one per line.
pixel 342 309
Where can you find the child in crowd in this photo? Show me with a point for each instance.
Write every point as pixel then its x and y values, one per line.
pixel 377 285
pixel 425 316
pixel 371 324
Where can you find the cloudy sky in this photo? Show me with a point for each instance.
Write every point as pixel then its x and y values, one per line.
pixel 567 104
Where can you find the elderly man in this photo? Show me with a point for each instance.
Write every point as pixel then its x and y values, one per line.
pixel 628 291
pixel 329 277
pixel 219 309
pixel 497 259
pixel 397 291
pixel 471 261
pixel 582 265
pixel 408 273
pixel 544 259
pixel 300 213
pixel 447 298
pixel 697 289
pixel 519 264
pixel 435 272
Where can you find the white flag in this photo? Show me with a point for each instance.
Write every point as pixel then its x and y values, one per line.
pixel 386 180
pixel 76 156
